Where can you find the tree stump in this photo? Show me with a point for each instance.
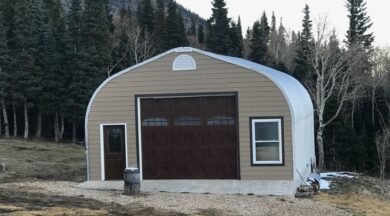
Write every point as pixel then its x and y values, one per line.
pixel 132 182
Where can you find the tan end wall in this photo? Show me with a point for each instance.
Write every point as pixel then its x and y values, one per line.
pixel 257 96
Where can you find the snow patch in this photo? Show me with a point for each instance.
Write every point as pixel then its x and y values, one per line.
pixel 325 184
pixel 338 174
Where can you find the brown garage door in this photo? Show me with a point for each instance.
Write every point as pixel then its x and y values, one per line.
pixel 189 138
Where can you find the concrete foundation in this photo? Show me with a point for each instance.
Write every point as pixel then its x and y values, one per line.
pixel 258 187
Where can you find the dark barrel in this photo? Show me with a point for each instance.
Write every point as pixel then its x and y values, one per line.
pixel 131 179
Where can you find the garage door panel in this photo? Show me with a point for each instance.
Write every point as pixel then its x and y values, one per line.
pixel 189 138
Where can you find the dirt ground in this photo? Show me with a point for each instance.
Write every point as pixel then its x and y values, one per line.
pixel 51 197
pixel 40 179
pixel 22 202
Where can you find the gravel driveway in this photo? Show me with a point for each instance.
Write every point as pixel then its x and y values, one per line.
pixel 191 204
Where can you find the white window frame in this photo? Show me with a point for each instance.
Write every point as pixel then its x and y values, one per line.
pixel 280 141
pixel 102 162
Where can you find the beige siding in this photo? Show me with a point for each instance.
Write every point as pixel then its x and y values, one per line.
pixel 257 96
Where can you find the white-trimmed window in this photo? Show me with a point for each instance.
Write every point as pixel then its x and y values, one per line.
pixel 267 141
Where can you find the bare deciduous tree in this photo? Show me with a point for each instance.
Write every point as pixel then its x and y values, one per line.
pixel 332 78
pixel 382 142
pixel 380 71
pixel 140 43
pixel 380 74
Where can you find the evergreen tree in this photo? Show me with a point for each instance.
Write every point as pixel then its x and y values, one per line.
pixel 56 91
pixel 218 38
pixel 160 33
pixel 23 54
pixel 192 30
pixel 94 57
pixel 303 67
pixel 255 42
pixel 236 38
pixel 73 103
pixel 4 72
pixel 74 24
pixel 146 16
pixel 8 9
pixel 182 30
pixel 95 44
pixel 175 27
pixel 200 34
pixel 240 41
pixel 273 23
pixel 259 41
pixel 41 55
pixel 359 23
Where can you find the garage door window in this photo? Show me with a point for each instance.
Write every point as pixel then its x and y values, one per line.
pixel 220 120
pixel 155 122
pixel 187 121
pixel 267 143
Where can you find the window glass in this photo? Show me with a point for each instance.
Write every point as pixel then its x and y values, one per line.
pixel 220 120
pixel 155 122
pixel 266 131
pixel 115 138
pixel 266 141
pixel 267 151
pixel 187 121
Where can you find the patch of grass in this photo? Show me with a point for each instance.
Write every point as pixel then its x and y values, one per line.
pixel 41 160
pixel 360 204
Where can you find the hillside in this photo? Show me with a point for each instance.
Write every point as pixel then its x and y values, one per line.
pixel 24 160
pixel 117 4
pixel 187 14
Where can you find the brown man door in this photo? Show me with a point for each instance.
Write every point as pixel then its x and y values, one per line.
pixel 114 151
pixel 189 138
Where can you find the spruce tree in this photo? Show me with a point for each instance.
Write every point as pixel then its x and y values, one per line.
pixel 74 24
pixel 4 72
pixel 175 27
pixel 200 34
pixel 240 41
pixel 41 55
pixel 72 103
pixel 255 41
pixel 182 30
pixel 160 33
pixel 359 24
pixel 236 38
pixel 218 38
pixel 94 57
pixel 259 41
pixel 192 30
pixel 146 19
pixel 24 62
pixel 303 67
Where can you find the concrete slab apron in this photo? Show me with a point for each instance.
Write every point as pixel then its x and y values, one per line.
pixel 259 187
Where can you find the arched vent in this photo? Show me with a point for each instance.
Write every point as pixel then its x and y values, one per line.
pixel 184 62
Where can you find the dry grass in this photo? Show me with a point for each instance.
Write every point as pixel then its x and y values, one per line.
pixel 41 160
pixel 54 211
pixel 360 204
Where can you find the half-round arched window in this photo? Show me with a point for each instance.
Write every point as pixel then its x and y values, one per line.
pixel 184 62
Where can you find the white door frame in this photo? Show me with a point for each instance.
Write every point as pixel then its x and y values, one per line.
pixel 102 162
